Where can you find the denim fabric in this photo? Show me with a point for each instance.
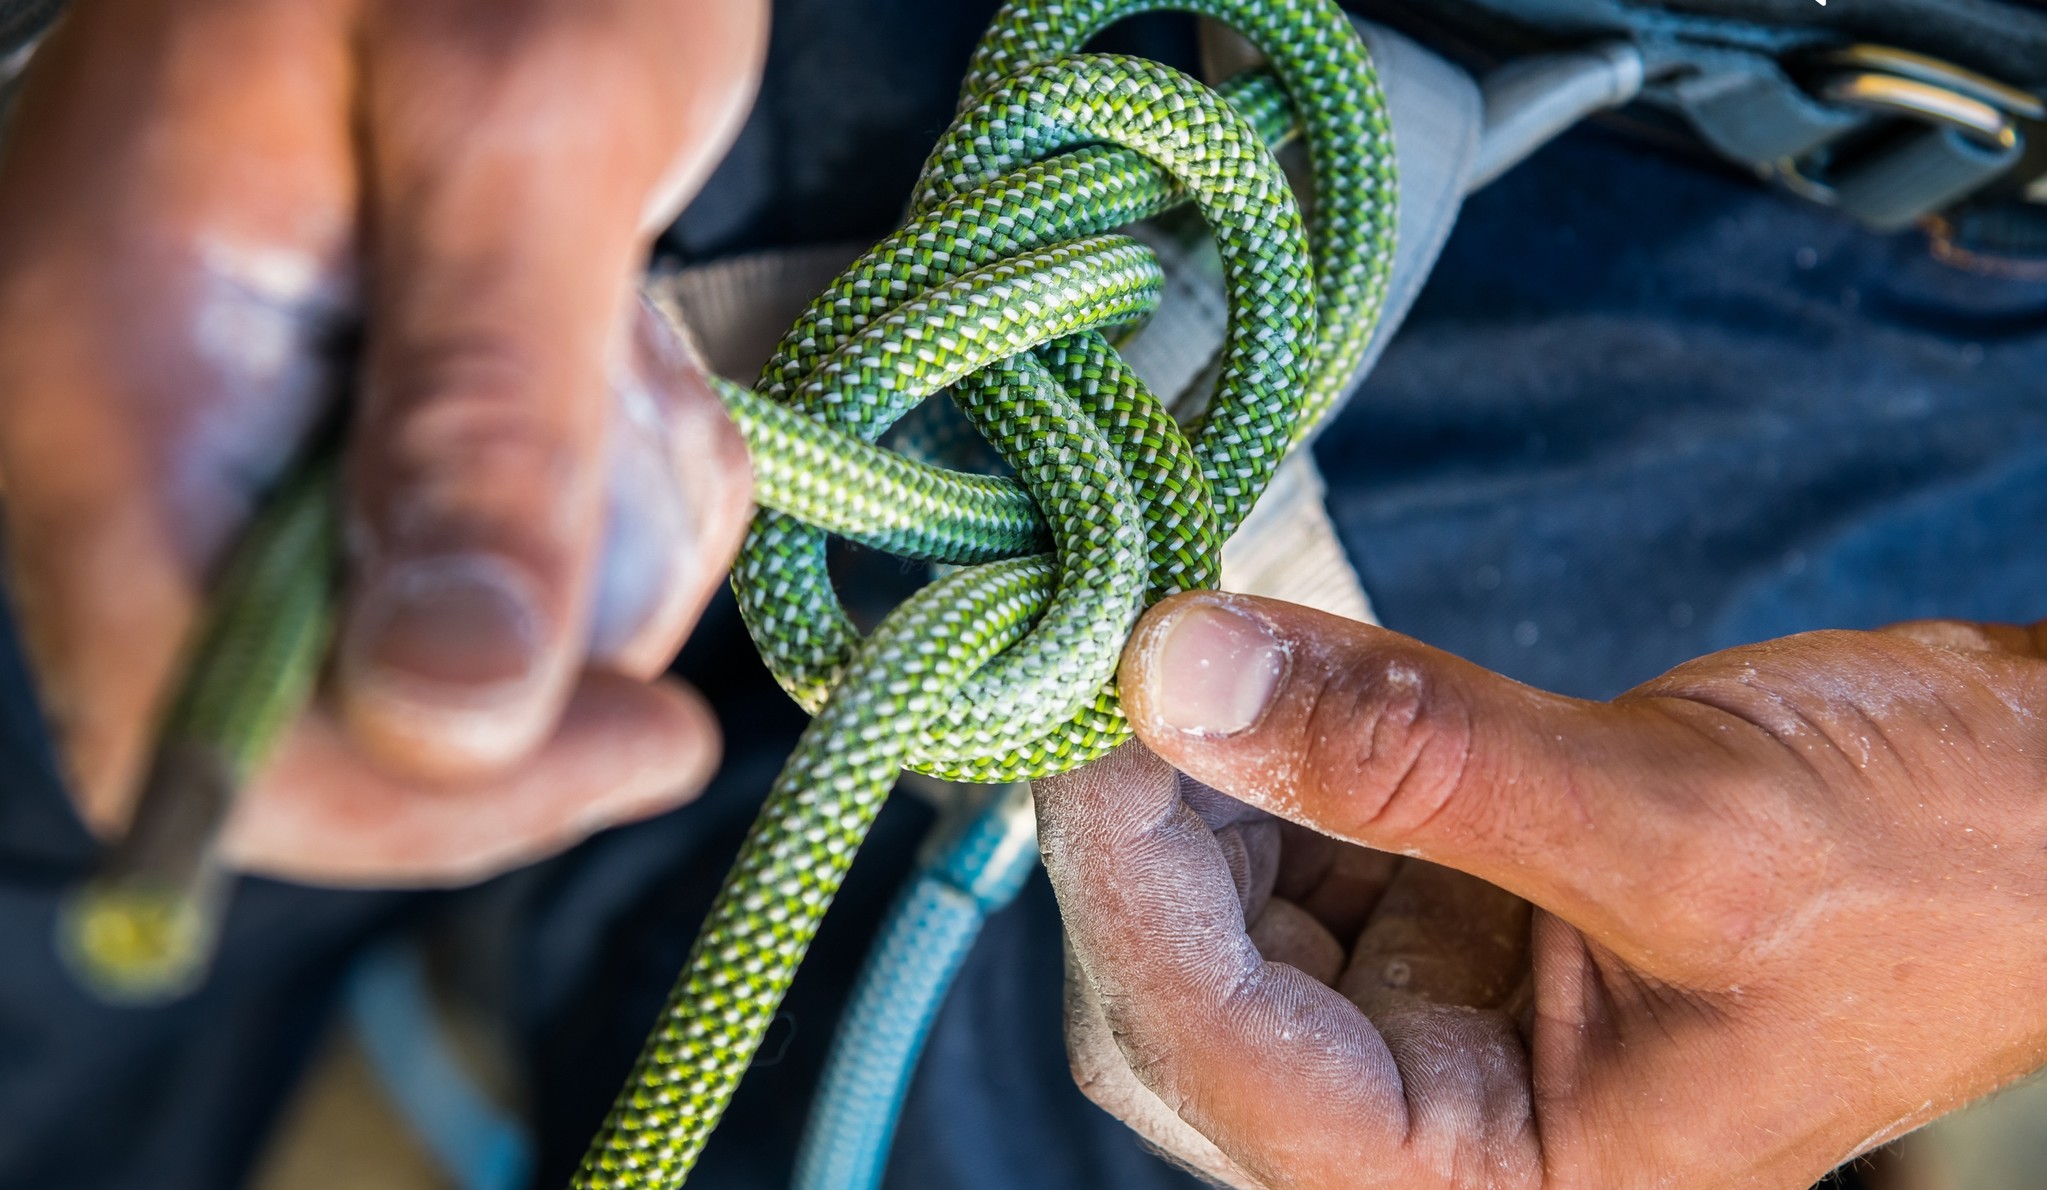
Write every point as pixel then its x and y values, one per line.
pixel 1642 410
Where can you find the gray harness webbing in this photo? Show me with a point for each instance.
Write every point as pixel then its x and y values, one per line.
pixel 1889 110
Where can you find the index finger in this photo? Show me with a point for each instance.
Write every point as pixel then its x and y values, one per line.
pixel 1281 1072
pixel 174 257
pixel 512 152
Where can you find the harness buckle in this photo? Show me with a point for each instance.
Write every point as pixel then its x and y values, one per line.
pixel 1932 136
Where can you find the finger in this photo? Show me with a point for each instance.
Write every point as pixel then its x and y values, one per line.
pixel 676 504
pixel 506 226
pixel 1435 970
pixel 1586 808
pixel 1104 1075
pixel 1251 852
pixel 1439 936
pixel 174 260
pixel 1336 883
pixel 1279 1071
pixel 1248 838
pixel 1284 932
pixel 623 750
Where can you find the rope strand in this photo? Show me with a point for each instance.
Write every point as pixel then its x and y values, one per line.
pixel 1000 288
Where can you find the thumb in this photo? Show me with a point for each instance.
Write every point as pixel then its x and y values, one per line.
pixel 499 303
pixel 511 173
pixel 1369 736
pixel 475 504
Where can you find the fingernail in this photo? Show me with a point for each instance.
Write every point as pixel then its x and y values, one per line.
pixel 1215 670
pixel 461 629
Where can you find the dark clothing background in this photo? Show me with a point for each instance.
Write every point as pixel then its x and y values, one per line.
pixel 1643 410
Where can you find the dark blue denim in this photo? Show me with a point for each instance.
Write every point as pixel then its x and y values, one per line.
pixel 1643 410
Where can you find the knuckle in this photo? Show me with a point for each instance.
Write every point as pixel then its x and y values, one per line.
pixel 507 75
pixel 464 402
pixel 1390 740
pixel 464 440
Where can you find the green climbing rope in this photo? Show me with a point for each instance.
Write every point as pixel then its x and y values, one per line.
pixel 1000 288
pixel 1003 288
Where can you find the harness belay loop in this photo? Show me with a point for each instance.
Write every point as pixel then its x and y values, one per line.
pixel 1003 288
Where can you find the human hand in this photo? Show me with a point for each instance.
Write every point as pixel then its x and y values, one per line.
pixel 1788 903
pixel 215 215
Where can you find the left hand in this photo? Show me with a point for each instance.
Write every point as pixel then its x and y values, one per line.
pixel 1788 902
pixel 215 215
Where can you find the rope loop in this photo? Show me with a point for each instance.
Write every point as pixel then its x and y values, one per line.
pixel 1000 288
pixel 1005 289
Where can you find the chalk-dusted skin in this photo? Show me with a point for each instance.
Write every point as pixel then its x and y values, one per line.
pixel 220 217
pixel 1761 942
pixel 1782 904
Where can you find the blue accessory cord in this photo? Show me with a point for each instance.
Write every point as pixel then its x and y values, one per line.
pixel 976 861
pixel 476 1144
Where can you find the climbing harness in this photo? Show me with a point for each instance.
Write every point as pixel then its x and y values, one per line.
pixel 1891 112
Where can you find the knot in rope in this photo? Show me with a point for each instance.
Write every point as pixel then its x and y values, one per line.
pixel 1005 287
pixel 1001 286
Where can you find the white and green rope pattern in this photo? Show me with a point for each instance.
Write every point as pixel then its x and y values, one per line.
pixel 1001 289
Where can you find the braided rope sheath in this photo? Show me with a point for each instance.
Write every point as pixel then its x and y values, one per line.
pixel 143 928
pixel 1001 288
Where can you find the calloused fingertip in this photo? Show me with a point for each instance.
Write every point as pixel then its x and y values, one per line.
pixel 1965 636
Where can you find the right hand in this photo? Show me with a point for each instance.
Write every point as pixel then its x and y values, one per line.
pixel 1355 912
pixel 202 202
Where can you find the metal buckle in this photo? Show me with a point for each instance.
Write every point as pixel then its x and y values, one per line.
pixel 1945 75
pixel 1901 89
pixel 1887 94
